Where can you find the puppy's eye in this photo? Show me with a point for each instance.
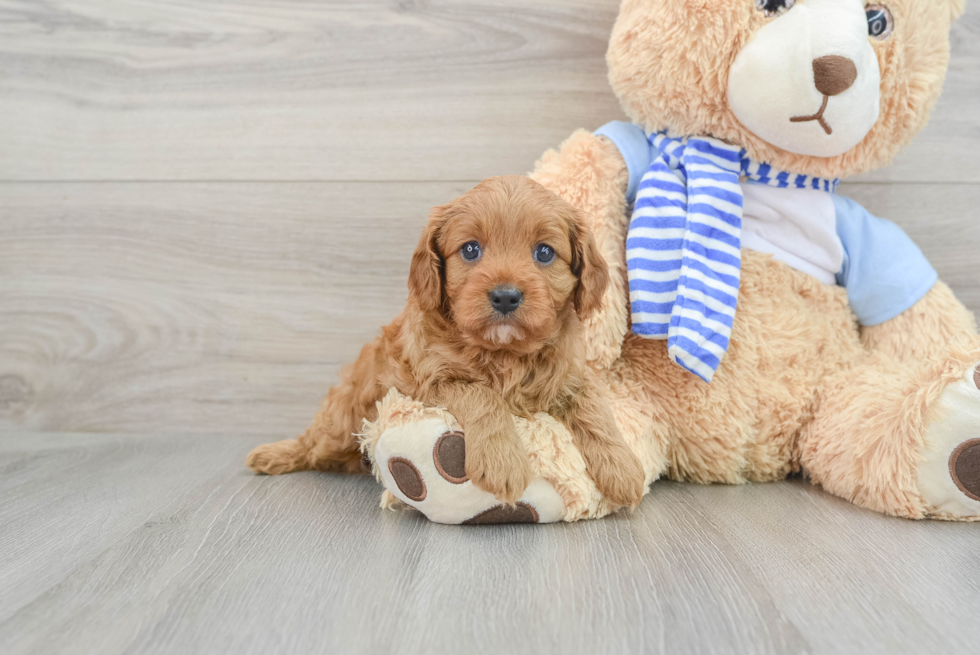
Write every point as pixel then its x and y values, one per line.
pixel 773 7
pixel 880 21
pixel 471 251
pixel 544 254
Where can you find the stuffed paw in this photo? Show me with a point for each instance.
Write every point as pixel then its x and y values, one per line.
pixel 949 472
pixel 418 453
pixel 422 465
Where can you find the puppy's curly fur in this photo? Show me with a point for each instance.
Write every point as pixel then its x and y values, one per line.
pixel 451 347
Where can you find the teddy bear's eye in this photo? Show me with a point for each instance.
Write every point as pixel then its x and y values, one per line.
pixel 773 7
pixel 880 21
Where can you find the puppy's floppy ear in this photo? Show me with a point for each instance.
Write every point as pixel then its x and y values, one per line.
pixel 425 275
pixel 588 266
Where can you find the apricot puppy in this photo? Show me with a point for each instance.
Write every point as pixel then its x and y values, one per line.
pixel 499 284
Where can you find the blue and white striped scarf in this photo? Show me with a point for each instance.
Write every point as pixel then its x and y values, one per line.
pixel 683 249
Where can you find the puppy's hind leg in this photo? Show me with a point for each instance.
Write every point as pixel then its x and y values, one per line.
pixel 286 456
pixel 329 444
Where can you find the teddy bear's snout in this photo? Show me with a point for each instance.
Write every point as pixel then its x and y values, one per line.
pixel 834 74
pixel 808 80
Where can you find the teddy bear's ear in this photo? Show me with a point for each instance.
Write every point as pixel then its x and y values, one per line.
pixel 958 7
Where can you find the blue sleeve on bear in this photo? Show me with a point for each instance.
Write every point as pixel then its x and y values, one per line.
pixel 884 272
pixel 636 149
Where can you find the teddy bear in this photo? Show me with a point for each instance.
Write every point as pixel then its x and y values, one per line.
pixel 758 323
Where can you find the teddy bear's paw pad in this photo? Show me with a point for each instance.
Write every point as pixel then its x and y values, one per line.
pixel 521 513
pixel 407 478
pixel 949 473
pixel 449 456
pixel 964 468
pixel 423 464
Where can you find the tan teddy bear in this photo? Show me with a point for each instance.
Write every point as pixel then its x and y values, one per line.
pixel 758 324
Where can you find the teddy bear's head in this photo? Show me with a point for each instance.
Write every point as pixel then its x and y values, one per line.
pixel 822 87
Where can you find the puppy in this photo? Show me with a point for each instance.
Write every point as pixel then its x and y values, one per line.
pixel 499 285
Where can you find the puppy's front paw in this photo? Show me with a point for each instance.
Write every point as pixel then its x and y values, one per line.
pixel 500 468
pixel 617 473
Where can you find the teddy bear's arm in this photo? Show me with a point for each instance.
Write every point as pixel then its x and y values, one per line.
pixel 904 311
pixel 589 172
pixel 924 331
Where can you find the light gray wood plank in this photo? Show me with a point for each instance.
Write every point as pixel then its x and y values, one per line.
pixel 820 558
pixel 117 485
pixel 208 558
pixel 182 305
pixel 341 90
pixel 294 90
pixel 229 308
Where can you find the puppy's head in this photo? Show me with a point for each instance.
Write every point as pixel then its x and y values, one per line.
pixel 507 262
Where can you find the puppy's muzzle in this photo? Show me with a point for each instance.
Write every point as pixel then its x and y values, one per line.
pixel 505 298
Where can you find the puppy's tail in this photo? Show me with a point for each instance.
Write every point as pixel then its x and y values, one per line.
pixel 280 457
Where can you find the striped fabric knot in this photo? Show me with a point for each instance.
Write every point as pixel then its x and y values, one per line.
pixel 683 249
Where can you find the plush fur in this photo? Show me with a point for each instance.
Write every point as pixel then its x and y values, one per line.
pixel 451 347
pixel 874 415
pixel 802 389
pixel 669 65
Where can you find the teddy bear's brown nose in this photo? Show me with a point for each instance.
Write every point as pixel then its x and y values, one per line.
pixel 834 74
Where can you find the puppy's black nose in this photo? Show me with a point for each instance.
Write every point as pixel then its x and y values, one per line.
pixel 506 298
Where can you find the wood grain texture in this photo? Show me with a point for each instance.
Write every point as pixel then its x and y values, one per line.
pixel 340 90
pixel 229 308
pixel 253 178
pixel 184 305
pixel 164 544
pixel 296 90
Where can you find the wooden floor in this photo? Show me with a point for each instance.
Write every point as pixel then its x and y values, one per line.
pixel 206 207
pixel 119 543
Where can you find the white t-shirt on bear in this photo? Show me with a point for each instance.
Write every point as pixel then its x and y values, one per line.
pixel 796 226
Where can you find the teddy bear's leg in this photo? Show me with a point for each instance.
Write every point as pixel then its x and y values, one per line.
pixel 900 438
pixel 949 473
pixel 422 464
pixel 419 454
pixel 589 173
pixel 924 331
